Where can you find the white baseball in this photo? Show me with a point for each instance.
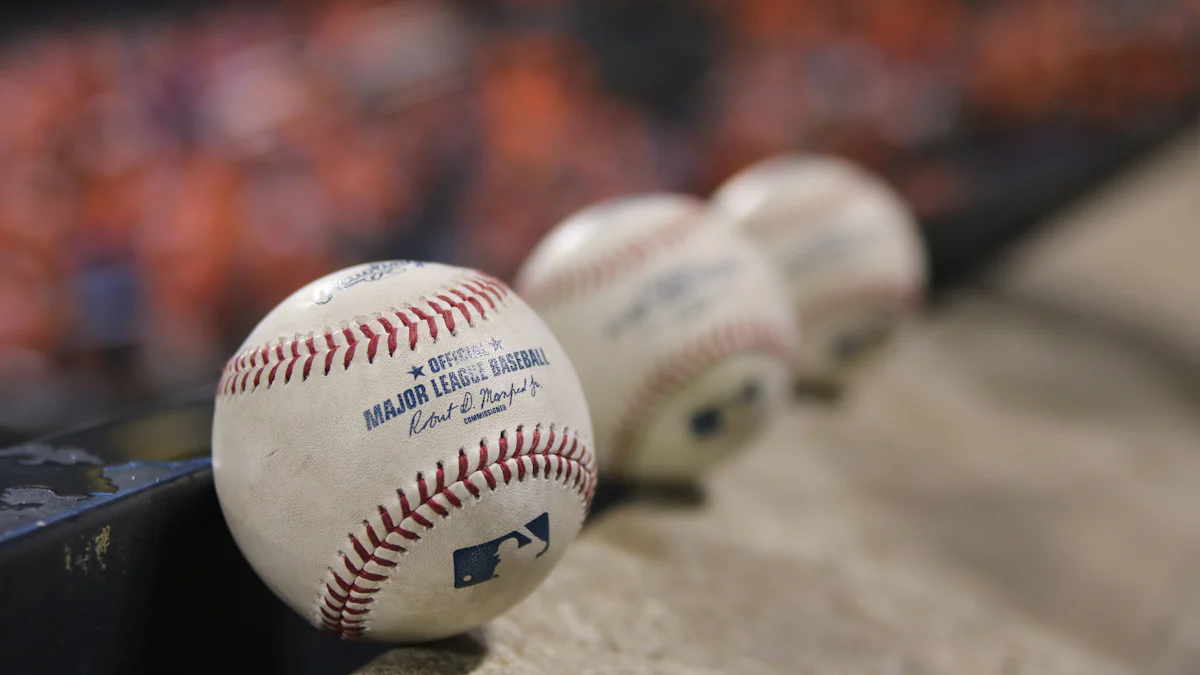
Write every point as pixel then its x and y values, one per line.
pixel 681 333
pixel 848 246
pixel 402 450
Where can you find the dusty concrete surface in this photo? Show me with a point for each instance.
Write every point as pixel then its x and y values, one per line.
pixel 1016 489
pixel 779 570
pixel 1063 403
pixel 1059 470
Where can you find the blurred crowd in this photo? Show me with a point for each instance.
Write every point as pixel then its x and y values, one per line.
pixel 165 181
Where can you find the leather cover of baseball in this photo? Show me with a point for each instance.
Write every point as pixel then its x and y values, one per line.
pixel 402 450
pixel 848 247
pixel 682 332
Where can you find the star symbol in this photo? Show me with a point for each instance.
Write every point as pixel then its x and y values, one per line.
pixel 497 345
pixel 417 371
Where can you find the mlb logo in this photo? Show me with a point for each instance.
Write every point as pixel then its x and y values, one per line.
pixel 484 562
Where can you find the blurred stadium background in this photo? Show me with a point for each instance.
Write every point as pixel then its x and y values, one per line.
pixel 167 177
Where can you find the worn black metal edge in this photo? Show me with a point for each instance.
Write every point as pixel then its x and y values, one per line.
pixel 151 582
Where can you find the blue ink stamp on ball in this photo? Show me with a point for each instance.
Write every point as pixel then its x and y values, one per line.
pixel 483 562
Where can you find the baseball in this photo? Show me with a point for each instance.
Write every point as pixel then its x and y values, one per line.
pixel 402 450
pixel 681 332
pixel 848 247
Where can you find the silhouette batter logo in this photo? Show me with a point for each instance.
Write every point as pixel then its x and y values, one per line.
pixel 484 562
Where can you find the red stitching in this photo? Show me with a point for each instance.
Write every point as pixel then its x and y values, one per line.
pixel 472 489
pixel 422 490
pixel 471 299
pixel 691 359
pixel 351 343
pixel 462 465
pixel 479 291
pixel 343 609
pixel 391 333
pixel 372 344
pixel 412 330
pixel 333 347
pixel 433 330
pixel 259 365
pixel 371 536
pixel 492 285
pixel 312 354
pixel 589 275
